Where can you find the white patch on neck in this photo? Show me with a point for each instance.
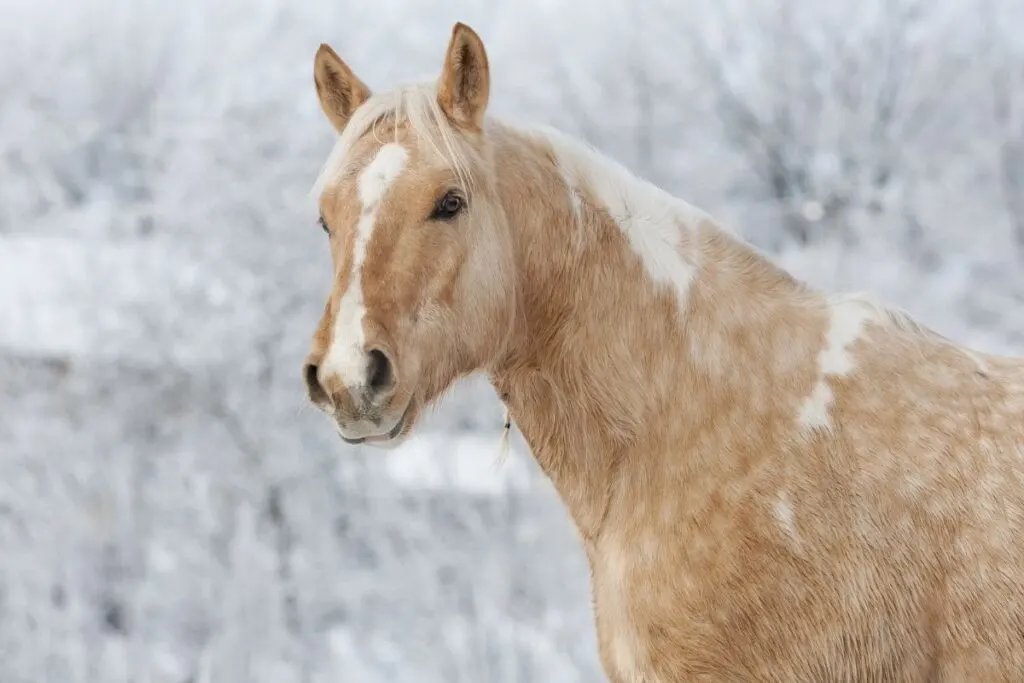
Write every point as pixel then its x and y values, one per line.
pixel 346 358
pixel 845 324
pixel 653 220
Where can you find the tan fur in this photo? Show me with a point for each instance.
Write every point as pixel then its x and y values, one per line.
pixel 727 540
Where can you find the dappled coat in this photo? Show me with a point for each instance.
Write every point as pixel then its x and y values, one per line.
pixel 770 484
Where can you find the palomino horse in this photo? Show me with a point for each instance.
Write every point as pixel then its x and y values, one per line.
pixel 771 484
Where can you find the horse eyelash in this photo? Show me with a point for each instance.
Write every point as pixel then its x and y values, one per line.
pixel 323 224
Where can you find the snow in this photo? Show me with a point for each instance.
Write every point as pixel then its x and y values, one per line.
pixel 463 462
pixel 64 295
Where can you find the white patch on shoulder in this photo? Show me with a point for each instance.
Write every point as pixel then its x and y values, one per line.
pixel 653 220
pixel 785 515
pixel 814 410
pixel 346 358
pixel 846 320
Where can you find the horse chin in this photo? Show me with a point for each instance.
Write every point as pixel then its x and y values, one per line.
pixel 397 436
pixel 388 443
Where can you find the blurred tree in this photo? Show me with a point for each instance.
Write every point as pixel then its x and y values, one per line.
pixel 1008 110
pixel 834 105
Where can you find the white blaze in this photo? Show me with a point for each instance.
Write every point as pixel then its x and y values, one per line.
pixel 346 358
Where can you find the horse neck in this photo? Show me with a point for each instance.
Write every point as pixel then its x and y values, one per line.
pixel 622 341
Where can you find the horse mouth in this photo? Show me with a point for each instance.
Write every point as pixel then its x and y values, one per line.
pixel 395 432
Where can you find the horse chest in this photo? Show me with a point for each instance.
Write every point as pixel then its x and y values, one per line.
pixel 644 600
pixel 622 618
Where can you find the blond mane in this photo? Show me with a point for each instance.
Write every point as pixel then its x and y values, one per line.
pixel 414 106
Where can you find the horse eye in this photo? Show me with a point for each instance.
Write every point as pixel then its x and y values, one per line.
pixel 323 224
pixel 448 207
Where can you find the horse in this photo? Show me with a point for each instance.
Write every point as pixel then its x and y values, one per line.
pixel 770 482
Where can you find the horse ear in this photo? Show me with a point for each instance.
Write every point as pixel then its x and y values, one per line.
pixel 464 86
pixel 339 90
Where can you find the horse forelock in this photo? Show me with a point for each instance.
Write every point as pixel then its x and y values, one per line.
pixel 414 107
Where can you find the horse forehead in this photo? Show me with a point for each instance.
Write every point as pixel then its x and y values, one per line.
pixel 383 169
pixel 370 169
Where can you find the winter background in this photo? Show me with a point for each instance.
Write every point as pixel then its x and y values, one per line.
pixel 172 511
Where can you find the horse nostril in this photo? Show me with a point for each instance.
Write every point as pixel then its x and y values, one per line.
pixel 379 373
pixel 316 391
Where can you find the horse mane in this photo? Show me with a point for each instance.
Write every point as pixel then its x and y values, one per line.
pixel 412 105
pixel 416 106
pixel 898 319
